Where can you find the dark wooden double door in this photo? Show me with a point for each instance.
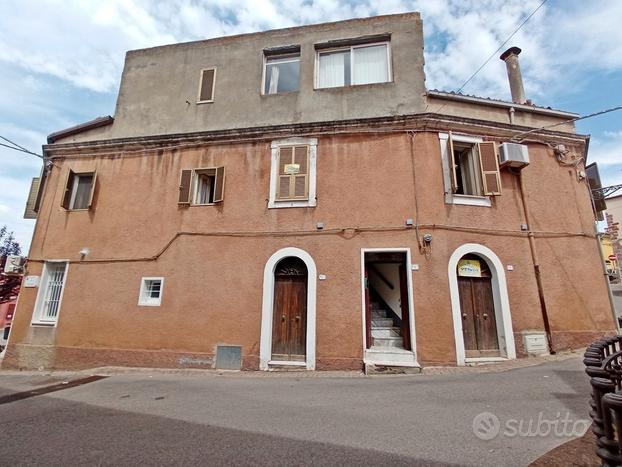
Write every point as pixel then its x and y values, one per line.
pixel 479 325
pixel 289 325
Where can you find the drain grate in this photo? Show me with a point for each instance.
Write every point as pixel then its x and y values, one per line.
pixel 18 396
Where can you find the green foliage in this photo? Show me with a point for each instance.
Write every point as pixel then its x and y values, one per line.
pixel 8 245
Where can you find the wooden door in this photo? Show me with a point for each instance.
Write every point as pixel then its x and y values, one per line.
pixel 289 329
pixel 479 325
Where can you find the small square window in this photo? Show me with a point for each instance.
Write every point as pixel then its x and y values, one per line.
pixel 282 73
pixel 151 291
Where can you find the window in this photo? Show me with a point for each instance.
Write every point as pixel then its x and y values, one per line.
pixel 281 73
pixel 293 173
pixel 151 291
pixel 362 64
pixel 79 190
pixel 202 186
pixel 471 169
pixel 206 86
pixel 50 293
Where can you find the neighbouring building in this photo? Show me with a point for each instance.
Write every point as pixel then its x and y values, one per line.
pixel 298 198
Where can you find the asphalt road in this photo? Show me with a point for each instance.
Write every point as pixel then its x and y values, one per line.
pixel 290 420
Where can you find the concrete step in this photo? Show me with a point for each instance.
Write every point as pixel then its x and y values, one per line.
pixel 385 331
pixel 381 323
pixel 391 342
pixel 378 314
pixel 390 357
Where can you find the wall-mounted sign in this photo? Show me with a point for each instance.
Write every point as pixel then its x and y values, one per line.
pixel 31 281
pixel 469 268
pixel 291 169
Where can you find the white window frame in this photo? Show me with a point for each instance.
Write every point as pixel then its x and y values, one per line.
pixel 37 315
pixel 311 201
pixel 148 301
pixel 194 185
pixel 316 74
pixel 450 196
pixel 210 101
pixel 287 58
pixel 74 189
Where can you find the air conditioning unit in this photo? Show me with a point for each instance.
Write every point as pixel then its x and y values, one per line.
pixel 513 155
pixel 14 265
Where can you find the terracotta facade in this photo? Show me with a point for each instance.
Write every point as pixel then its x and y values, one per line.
pixel 372 175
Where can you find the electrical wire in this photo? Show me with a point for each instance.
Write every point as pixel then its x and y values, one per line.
pixel 18 148
pixel 495 52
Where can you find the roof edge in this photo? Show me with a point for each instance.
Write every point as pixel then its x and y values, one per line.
pixel 82 127
pixel 499 103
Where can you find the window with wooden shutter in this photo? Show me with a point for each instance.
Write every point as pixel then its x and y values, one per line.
pixel 206 85
pixel 79 190
pixel 30 212
pixel 219 185
pixel 452 163
pixel 489 165
pixel 201 187
pixel 293 174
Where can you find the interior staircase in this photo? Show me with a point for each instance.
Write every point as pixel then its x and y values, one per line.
pixel 383 331
pixel 387 351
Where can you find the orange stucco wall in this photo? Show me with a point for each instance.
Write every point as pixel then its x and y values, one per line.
pixel 213 281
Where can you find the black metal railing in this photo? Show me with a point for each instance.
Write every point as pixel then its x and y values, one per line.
pixel 603 363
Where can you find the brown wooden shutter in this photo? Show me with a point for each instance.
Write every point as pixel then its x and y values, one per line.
pixel 286 155
pixel 219 185
pixel 208 78
pixel 43 178
pixel 93 183
pixel 30 212
pixel 184 187
pixel 301 185
pixel 68 187
pixel 452 163
pixel 489 165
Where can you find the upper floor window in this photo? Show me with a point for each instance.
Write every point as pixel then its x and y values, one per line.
pixel 202 186
pixel 359 64
pixel 471 169
pixel 281 73
pixel 206 86
pixel 293 173
pixel 151 291
pixel 79 190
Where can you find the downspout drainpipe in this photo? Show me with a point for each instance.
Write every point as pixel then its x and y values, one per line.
pixel 536 264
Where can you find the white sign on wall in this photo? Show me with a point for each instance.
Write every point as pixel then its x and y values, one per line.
pixel 31 281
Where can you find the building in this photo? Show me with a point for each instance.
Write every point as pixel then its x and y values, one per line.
pixel 297 198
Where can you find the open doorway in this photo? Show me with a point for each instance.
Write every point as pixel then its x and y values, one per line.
pixel 387 307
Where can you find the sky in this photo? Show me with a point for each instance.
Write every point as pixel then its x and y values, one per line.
pixel 61 61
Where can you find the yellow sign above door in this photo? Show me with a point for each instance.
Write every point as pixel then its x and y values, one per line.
pixel 469 268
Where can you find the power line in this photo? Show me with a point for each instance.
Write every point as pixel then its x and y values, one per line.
pixel 19 148
pixel 496 51
pixel 521 136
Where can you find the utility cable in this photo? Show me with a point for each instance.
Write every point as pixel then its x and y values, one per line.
pixel 18 148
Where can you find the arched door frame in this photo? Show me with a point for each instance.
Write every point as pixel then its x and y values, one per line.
pixel 267 308
pixel 501 300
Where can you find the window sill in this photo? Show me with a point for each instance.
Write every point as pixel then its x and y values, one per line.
pixel 205 102
pixel 45 324
pixel 148 304
pixel 77 210
pixel 201 205
pixel 468 200
pixel 353 86
pixel 292 204
pixel 284 93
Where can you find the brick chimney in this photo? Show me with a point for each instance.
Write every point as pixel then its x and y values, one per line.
pixel 510 57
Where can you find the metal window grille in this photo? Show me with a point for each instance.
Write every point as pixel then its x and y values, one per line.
pixel 56 278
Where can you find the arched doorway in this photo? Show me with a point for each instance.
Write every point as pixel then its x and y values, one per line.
pixel 480 305
pixel 479 324
pixel 289 320
pixel 289 281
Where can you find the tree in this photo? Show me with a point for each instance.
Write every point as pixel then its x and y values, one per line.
pixel 9 285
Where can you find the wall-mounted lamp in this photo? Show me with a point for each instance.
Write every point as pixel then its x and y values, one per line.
pixel 84 252
pixel 409 222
